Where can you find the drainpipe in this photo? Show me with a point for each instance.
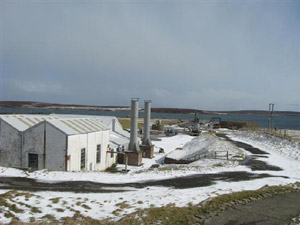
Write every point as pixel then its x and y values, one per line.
pixel 21 149
pixel 44 160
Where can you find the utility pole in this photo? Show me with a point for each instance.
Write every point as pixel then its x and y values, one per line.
pixel 271 116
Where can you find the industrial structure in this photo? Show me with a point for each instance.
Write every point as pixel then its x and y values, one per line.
pixel 133 155
pixel 147 147
pixel 73 142
pixel 118 137
pixel 57 142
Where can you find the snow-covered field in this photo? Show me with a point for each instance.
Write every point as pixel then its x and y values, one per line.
pixel 115 205
pixel 206 143
pixel 266 141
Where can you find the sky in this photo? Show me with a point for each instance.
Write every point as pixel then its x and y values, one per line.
pixel 210 55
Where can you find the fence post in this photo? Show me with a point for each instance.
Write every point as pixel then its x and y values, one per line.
pixel 227 155
pixel 126 162
pixel 215 155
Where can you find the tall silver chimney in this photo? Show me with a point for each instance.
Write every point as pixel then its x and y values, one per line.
pixel 133 144
pixel 146 133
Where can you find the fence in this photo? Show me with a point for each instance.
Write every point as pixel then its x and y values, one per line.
pixel 207 155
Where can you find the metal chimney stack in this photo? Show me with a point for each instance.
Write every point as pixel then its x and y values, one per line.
pixel 146 133
pixel 133 144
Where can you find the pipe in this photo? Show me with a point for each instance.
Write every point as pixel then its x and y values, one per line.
pixel 133 144
pixel 147 114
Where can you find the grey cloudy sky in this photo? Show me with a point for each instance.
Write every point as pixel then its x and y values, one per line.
pixel 214 55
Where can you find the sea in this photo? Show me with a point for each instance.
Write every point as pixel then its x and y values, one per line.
pixel 280 121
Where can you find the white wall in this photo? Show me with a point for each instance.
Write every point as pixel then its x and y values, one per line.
pixel 75 144
pixel 33 142
pixel 10 145
pixel 89 142
pixel 56 148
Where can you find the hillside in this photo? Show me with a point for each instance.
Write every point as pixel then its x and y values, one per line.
pixel 29 104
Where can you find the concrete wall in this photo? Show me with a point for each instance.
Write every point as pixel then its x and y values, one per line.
pixel 10 145
pixel 56 148
pixel 33 142
pixel 89 142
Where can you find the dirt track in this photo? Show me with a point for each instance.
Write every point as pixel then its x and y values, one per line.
pixel 276 210
pixel 192 181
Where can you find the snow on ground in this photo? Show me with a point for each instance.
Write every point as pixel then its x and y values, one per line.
pixel 109 205
pixel 116 205
pixel 266 141
pixel 143 173
pixel 198 144
pixel 135 174
pixel 282 153
pixel 205 143
pixel 171 143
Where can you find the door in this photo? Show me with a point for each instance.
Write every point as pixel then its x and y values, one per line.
pixel 33 161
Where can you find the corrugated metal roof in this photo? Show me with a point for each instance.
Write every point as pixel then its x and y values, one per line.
pixel 117 140
pixel 23 122
pixel 106 120
pixel 73 125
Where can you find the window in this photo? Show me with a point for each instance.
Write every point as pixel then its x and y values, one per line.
pixel 98 154
pixel 82 159
pixel 33 161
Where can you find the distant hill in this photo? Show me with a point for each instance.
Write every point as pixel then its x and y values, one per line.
pixel 29 104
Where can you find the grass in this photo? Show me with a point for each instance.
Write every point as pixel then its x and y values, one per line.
pixel 187 215
pixel 4 202
pixel 172 215
pixel 125 122
pixel 9 215
pixel 35 210
pixel 48 217
pixel 85 206
pixel 169 168
pixel 59 210
pixel 78 203
pixel 55 200
pixel 218 165
pixel 123 205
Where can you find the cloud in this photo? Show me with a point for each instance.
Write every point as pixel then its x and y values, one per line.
pixel 205 55
pixel 37 87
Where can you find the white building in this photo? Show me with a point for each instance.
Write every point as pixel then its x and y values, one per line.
pixel 55 142
pixel 118 138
